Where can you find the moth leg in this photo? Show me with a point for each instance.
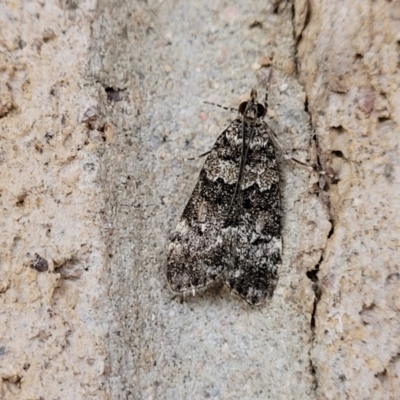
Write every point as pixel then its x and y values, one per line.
pixel 280 147
pixel 285 152
pixel 294 160
pixel 197 157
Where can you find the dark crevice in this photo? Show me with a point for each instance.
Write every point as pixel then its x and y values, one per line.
pixel 328 176
pixel 306 105
pixel 383 119
pixel 317 297
pixel 381 376
pixel 313 276
pixel 314 374
pixel 333 176
pixel 332 229
pixel 39 263
pixel 318 161
pixel 276 6
pixel 114 95
pixel 338 129
pixel 337 153
pixel 256 24
pixel 313 273
pixel 296 42
pixel 21 199
pixel 306 22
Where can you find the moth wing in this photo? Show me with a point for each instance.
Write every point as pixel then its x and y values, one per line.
pixel 254 273
pixel 198 254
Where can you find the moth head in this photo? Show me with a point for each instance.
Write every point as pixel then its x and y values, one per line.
pixel 251 110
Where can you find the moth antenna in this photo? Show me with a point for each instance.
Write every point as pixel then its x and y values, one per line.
pixel 219 105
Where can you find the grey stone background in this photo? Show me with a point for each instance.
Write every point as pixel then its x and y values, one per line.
pixel 100 104
pixel 212 345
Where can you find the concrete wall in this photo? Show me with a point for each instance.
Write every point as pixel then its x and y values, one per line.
pixel 100 103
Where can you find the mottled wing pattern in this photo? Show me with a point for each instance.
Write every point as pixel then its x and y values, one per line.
pixel 230 227
pixel 258 246
pixel 198 254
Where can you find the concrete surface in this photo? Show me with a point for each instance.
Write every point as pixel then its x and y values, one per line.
pixel 100 102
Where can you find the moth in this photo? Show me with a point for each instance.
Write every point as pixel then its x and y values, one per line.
pixel 230 229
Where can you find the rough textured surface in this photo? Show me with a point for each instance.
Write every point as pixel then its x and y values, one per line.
pixel 99 104
pixel 349 60
pixel 52 251
pixel 213 345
